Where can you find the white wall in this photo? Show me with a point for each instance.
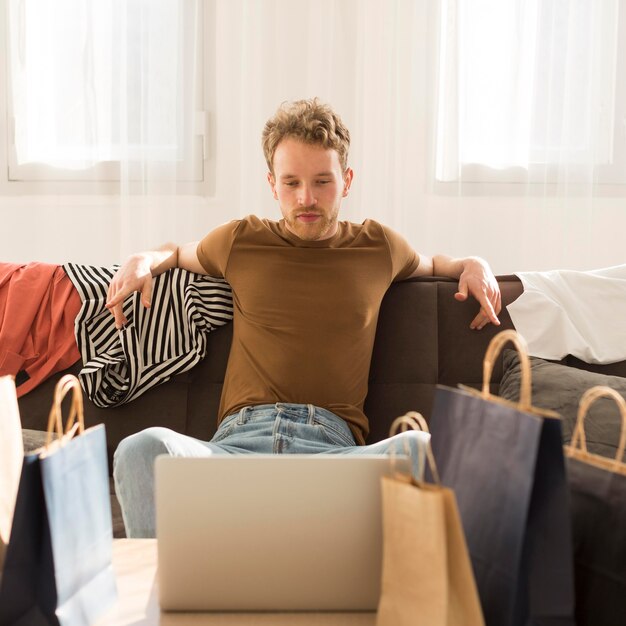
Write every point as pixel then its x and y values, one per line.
pixel 512 234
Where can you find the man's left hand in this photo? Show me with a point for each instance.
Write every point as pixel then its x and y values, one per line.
pixel 478 280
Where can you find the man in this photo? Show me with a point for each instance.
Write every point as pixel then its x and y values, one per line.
pixel 306 292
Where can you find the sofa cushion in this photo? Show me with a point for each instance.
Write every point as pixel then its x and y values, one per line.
pixel 559 388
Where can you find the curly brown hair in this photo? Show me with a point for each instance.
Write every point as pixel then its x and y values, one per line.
pixel 310 121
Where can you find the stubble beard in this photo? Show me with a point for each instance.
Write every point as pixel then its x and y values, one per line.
pixel 314 231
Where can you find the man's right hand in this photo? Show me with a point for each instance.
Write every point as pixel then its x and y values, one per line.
pixel 134 275
pixel 137 272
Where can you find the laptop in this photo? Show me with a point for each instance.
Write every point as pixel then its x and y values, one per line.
pixel 270 532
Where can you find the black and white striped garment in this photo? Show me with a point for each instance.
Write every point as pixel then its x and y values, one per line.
pixel 166 339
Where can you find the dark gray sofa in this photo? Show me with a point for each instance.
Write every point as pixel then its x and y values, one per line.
pixel 423 339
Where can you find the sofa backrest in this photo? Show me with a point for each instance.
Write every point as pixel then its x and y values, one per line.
pixel 423 339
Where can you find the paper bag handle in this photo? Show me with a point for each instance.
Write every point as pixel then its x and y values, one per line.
pixel 493 350
pixel 414 421
pixel 588 398
pixel 409 421
pixel 55 419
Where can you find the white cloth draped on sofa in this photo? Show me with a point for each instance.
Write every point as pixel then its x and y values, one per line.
pixel 579 313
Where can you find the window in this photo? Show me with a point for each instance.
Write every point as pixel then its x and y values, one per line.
pixel 528 92
pixel 105 90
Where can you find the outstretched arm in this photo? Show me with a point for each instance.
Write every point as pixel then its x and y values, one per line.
pixel 137 272
pixel 475 278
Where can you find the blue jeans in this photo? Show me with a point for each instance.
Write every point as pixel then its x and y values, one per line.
pixel 267 429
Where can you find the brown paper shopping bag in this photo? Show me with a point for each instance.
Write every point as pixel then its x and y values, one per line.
pixel 11 456
pixel 427 578
pixel 597 487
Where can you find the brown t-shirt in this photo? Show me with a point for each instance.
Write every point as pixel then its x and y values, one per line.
pixel 305 312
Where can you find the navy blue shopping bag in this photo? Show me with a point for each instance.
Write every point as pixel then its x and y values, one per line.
pixel 505 463
pixel 57 568
pixel 597 487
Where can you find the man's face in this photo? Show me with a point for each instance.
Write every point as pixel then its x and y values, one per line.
pixel 309 184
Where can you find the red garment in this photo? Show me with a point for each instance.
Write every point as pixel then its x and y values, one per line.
pixel 38 305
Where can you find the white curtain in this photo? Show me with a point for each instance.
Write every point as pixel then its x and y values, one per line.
pixel 467 117
pixel 98 82
pixel 530 121
pixel 530 85
pixel 478 126
pixel 365 57
pixel 105 95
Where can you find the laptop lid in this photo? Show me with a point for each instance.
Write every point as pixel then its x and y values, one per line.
pixel 270 532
